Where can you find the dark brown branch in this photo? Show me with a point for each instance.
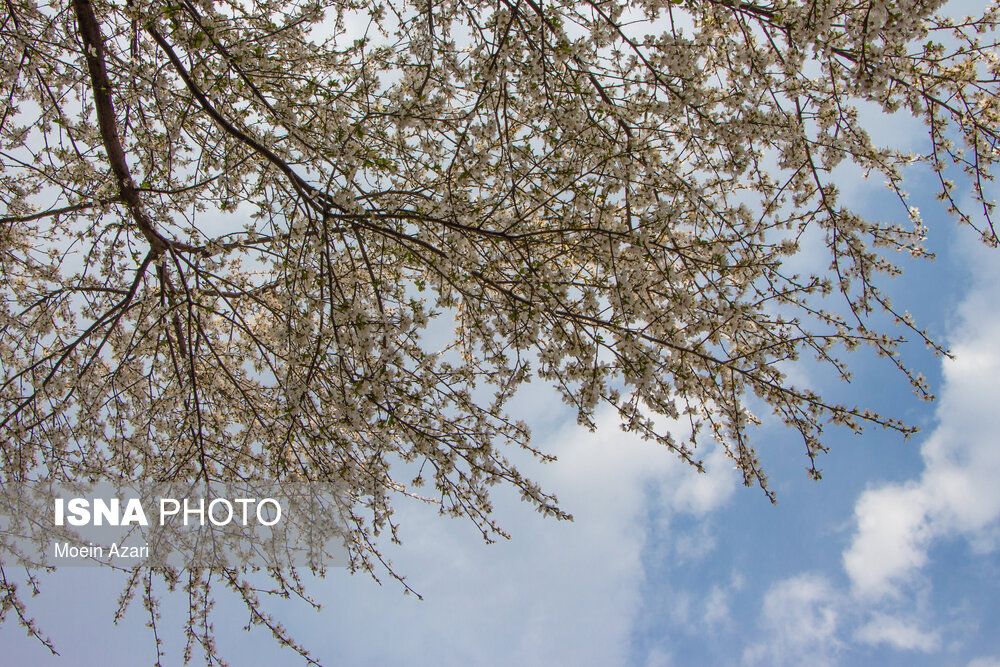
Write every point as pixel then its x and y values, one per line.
pixel 57 211
pixel 307 191
pixel 93 47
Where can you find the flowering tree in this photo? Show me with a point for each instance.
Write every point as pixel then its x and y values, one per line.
pixel 228 225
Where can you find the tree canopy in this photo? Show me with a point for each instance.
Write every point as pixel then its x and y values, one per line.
pixel 316 240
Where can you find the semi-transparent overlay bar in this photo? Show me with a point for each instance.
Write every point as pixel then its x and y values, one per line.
pixel 263 524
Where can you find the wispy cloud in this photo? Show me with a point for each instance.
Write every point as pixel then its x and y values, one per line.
pixel 799 623
pixel 900 633
pixel 985 662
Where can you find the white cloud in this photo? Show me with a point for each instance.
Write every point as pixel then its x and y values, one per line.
pixel 985 662
pixel 717 607
pixel 694 544
pixel 658 658
pixel 558 592
pixel 701 494
pixel 799 619
pixel 891 541
pixel 957 494
pixel 898 633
